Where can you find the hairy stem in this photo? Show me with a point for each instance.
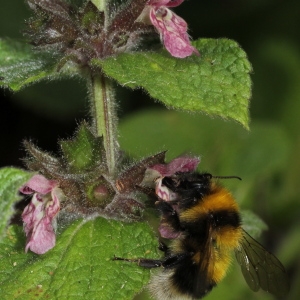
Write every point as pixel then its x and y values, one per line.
pixel 105 118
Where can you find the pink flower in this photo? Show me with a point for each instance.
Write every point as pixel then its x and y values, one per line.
pixel 172 28
pixel 181 164
pixel 39 215
pixel 156 174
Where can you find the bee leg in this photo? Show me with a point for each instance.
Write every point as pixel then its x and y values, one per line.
pixel 174 260
pixel 143 262
pixel 164 248
pixel 168 262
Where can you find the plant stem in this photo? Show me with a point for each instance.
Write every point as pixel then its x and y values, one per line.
pixel 105 118
pixel 102 6
pixel 103 108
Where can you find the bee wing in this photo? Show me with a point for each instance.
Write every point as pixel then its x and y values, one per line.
pixel 260 268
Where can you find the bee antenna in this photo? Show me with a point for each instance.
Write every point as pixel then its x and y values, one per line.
pixel 227 177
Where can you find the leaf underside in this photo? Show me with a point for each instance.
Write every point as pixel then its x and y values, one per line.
pixel 21 65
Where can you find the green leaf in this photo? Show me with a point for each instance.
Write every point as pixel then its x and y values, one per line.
pixel 216 83
pixel 21 66
pixel 84 150
pixel 99 4
pixel 80 266
pixel 11 179
pixel 253 224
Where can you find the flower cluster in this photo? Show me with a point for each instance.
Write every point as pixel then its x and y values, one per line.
pixel 78 190
pixel 85 33
pixel 40 215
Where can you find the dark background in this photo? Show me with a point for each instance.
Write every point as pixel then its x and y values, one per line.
pixel 268 30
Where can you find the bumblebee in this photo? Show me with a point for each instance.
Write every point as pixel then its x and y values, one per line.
pixel 203 221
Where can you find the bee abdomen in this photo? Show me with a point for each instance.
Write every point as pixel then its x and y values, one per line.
pixel 181 283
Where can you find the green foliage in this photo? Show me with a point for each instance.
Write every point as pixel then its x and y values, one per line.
pixel 225 148
pixel 252 224
pixel 216 83
pixel 80 266
pixel 276 90
pixel 11 179
pixel 21 66
pixel 98 4
pixel 84 151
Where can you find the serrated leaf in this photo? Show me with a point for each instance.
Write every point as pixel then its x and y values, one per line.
pixel 80 266
pixel 21 66
pixel 216 83
pixel 11 179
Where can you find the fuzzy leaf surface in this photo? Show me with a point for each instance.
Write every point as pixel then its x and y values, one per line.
pixel 11 179
pixel 216 83
pixel 21 66
pixel 80 266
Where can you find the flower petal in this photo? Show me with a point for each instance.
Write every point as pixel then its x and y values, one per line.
pixel 32 213
pixel 167 3
pixel 173 31
pixel 167 231
pixel 53 207
pixel 163 192
pixel 39 219
pixel 179 164
pixel 42 237
pixel 174 3
pixel 38 183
